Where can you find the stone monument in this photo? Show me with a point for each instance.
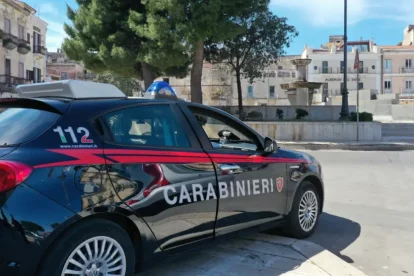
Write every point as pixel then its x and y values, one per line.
pixel 300 92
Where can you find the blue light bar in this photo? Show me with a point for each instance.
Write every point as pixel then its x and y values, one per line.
pixel 160 90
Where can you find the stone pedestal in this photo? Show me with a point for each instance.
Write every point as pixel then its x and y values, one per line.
pixel 300 92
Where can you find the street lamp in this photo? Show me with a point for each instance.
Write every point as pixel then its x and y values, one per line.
pixel 345 108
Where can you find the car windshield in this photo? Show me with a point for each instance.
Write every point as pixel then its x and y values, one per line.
pixel 19 125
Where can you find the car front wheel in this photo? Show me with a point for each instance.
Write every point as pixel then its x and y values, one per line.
pixel 304 213
pixel 97 247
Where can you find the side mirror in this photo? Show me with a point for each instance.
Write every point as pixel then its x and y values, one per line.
pixel 270 145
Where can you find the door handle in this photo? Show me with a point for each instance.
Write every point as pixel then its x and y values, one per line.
pixel 230 169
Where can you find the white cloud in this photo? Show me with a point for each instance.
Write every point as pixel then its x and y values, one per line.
pixel 55 34
pixel 326 13
pixel 48 8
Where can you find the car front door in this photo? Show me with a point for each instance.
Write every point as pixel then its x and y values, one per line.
pixel 158 168
pixel 251 183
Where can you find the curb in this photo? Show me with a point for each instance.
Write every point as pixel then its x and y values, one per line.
pixel 316 254
pixel 347 146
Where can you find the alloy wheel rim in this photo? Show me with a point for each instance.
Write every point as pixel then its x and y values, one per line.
pixel 308 211
pixel 97 256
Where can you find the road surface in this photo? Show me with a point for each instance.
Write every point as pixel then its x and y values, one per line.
pixel 369 211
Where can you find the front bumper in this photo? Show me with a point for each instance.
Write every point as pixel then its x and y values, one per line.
pixel 27 224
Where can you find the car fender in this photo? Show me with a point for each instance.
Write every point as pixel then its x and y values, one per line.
pixel 296 180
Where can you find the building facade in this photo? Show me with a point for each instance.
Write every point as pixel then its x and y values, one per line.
pixel 267 90
pixel 398 64
pixel 60 67
pixel 219 84
pixel 22 49
pixel 327 66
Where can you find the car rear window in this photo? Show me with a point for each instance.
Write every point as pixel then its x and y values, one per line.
pixel 20 125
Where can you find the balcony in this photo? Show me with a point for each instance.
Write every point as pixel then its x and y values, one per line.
pixel 407 93
pixel 332 92
pixel 7 82
pixel 23 47
pixel 38 49
pixel 362 70
pixel 10 41
pixel 404 70
pixel 330 70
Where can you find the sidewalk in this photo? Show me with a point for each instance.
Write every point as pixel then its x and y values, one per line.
pixel 259 254
pixel 355 146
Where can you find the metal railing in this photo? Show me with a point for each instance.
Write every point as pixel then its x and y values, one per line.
pixel 11 80
pixel 38 49
pixel 330 70
pixel 362 70
pixel 407 92
pixel 23 42
pixel 12 38
pixel 404 70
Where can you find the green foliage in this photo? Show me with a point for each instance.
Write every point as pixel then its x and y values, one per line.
pixel 186 26
pixel 301 113
pixel 363 117
pixel 261 41
pixel 279 114
pixel 254 115
pixel 103 35
pixel 125 84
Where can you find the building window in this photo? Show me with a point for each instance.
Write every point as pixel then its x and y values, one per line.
pixel 325 67
pixel 250 91
pixel 63 75
pixel 37 75
pixel 29 75
pixel 271 91
pixel 342 67
pixel 21 70
pixel 21 32
pixel 408 85
pixel 361 67
pixel 387 85
pixel 28 38
pixel 293 74
pixel 408 64
pixel 37 38
pixel 360 85
pixel 280 67
pixel 167 80
pixel 325 92
pixel 7 26
pixel 7 67
pixel 387 64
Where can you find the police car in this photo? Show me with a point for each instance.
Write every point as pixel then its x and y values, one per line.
pixel 95 183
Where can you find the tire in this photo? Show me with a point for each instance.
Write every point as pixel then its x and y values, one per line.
pixel 293 227
pixel 107 233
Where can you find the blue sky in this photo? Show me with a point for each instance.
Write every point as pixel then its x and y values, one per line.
pixel 382 20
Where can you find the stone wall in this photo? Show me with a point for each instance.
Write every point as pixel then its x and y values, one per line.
pixel 316 113
pixel 319 131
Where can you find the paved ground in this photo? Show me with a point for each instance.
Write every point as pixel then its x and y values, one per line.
pixel 368 223
pixel 369 219
pixel 258 254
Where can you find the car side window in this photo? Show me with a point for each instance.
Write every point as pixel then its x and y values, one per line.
pixel 149 125
pixel 224 133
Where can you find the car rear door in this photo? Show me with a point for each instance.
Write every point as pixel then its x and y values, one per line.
pixel 250 183
pixel 160 170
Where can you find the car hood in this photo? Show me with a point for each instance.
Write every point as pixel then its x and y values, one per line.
pixel 288 153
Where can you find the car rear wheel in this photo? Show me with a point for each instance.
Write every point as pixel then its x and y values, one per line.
pixel 97 247
pixel 304 213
